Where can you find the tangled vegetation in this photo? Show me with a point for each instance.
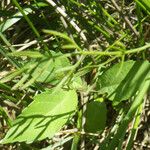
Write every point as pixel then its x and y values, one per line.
pixel 74 74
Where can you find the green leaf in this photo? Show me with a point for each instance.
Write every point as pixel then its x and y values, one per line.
pixel 45 116
pixel 95 116
pixel 144 4
pixel 123 85
pixel 78 84
pixel 68 46
pixel 32 54
pixel 49 69
pixel 12 75
pixel 45 70
pixel 64 36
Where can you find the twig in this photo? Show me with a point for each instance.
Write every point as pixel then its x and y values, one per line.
pixel 65 23
pixel 75 130
pixel 84 99
pixel 26 45
pixel 71 21
pixel 125 18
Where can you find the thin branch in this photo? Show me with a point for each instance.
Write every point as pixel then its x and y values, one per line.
pixel 75 130
pixel 114 53
pixel 125 18
pixel 71 21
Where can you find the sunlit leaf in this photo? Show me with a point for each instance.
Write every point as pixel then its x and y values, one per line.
pixel 144 4
pixel 32 54
pixel 123 85
pixel 44 117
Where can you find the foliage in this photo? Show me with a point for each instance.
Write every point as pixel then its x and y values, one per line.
pixel 67 66
pixel 95 117
pixel 43 117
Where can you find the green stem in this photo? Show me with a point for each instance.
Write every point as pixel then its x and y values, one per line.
pixel 10 59
pixel 26 18
pixel 76 138
pixel 119 53
pixel 135 127
pixel 6 42
pixel 31 25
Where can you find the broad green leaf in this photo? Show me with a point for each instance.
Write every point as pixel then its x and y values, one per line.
pixel 95 116
pixel 123 85
pixel 44 117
